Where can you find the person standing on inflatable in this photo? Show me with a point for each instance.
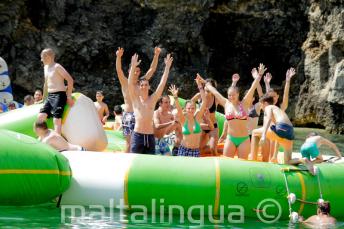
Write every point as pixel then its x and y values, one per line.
pixel 142 138
pixel 54 86
pixel 128 119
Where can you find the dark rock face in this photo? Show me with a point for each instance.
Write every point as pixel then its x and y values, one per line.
pixel 213 37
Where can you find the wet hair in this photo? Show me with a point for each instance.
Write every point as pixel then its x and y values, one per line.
pixel 267 98
pixel 41 125
pixel 312 134
pixel 118 109
pixel 324 207
pixel 212 82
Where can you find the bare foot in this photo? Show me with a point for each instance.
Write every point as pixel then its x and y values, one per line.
pixel 310 167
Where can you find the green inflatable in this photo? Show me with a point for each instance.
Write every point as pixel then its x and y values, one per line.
pixel 30 172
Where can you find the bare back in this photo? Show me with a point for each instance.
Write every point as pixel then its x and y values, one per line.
pixel 55 81
pixel 279 116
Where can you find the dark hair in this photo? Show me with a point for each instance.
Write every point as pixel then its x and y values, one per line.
pixel 41 125
pixel 312 134
pixel 267 98
pixel 212 82
pixel 324 207
pixel 100 92
pixel 142 79
pixel 190 101
pixel 118 109
pixel 162 97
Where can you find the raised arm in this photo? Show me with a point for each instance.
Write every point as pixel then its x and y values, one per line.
pixel 174 92
pixel 154 63
pixel 132 81
pixel 70 83
pixel 222 100
pixel 267 79
pixel 330 144
pixel 196 97
pixel 168 63
pixel 257 75
pixel 235 79
pixel 203 96
pixel 290 73
pixel 122 79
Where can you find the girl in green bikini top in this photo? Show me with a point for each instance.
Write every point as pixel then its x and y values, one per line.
pixel 191 119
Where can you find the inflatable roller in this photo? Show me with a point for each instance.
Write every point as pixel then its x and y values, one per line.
pixel 30 172
pixel 80 124
pixel 215 183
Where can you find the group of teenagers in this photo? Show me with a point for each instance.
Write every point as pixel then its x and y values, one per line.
pixel 192 128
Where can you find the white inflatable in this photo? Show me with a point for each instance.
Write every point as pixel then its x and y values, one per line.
pixel 81 125
pixel 98 178
pixel 5 83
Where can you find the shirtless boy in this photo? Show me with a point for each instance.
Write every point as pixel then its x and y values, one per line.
pixel 53 139
pixel 142 140
pixel 164 124
pixel 128 120
pixel 54 86
pixel 102 108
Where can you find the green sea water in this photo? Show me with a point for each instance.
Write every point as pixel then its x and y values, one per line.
pixel 49 216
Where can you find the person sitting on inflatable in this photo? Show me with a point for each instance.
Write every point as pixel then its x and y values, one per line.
pixel 281 131
pixel 190 121
pixel 54 139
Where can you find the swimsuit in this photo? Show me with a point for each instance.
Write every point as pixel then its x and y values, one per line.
pixel 252 112
pixel 142 143
pixel 283 130
pixel 309 149
pixel 187 152
pixel 241 115
pixel 128 123
pixel 54 105
pixel 196 130
pixel 162 145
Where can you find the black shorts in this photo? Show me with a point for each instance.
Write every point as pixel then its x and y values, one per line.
pixel 142 143
pixel 54 105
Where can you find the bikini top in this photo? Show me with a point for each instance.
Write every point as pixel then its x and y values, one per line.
pixel 252 112
pixel 242 115
pixel 213 107
pixel 196 129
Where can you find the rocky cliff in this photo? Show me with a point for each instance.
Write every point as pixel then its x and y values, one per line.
pixel 213 37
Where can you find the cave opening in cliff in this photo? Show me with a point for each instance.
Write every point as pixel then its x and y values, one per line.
pixel 239 41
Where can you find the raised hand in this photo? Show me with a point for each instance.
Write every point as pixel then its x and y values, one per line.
pixel 199 77
pixel 267 78
pixel 235 77
pixel 119 52
pixel 290 73
pixel 157 51
pixel 261 69
pixel 135 60
pixel 173 90
pixel 254 73
pixel 168 60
